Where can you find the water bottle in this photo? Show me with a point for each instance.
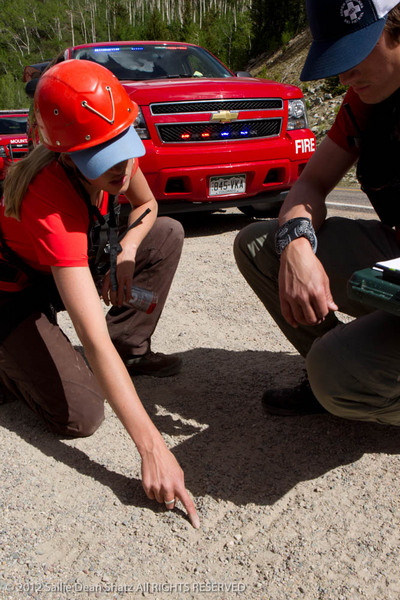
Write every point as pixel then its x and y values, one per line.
pixel 142 299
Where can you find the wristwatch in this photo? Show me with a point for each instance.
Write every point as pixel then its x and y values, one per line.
pixel 293 229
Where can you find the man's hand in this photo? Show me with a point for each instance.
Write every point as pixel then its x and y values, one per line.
pixel 304 289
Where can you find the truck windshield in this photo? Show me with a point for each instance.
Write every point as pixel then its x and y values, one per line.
pixel 152 61
pixel 12 125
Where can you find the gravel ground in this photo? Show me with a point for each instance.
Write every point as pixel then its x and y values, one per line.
pixel 290 508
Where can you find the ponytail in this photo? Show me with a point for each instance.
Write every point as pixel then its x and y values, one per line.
pixel 20 175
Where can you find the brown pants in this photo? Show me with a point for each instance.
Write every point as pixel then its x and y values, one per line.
pixel 39 365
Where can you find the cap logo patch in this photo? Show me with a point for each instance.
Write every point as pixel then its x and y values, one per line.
pixel 352 11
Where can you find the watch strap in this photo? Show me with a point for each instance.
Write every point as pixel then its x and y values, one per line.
pixel 292 230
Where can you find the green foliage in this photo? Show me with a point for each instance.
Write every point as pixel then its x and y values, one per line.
pixel 286 36
pixel 12 94
pixel 227 38
pixel 37 30
pixel 155 27
pixel 333 86
pixel 275 23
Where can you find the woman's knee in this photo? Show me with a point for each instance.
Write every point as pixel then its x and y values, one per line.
pixel 87 424
pixel 78 420
pixel 72 407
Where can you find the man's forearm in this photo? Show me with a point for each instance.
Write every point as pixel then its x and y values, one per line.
pixel 304 200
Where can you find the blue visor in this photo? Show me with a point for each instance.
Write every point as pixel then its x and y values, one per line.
pixel 93 162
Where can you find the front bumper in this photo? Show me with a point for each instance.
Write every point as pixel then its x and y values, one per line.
pixel 264 179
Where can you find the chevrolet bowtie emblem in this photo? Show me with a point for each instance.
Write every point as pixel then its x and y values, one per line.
pixel 224 116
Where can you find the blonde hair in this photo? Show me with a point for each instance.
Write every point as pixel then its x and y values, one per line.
pixel 20 175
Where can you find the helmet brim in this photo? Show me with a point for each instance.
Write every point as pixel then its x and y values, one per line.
pixel 93 162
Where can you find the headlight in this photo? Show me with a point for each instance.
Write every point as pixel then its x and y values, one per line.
pixel 141 127
pixel 297 114
pixel 3 152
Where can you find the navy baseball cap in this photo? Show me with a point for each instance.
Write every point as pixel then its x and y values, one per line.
pixel 344 33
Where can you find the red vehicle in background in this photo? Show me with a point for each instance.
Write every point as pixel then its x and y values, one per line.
pixel 213 138
pixel 13 137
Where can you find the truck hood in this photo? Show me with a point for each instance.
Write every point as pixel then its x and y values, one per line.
pixel 181 90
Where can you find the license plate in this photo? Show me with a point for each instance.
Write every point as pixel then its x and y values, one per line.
pixel 230 184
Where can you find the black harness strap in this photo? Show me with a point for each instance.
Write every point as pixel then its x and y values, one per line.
pixel 102 233
pixel 138 220
pixel 114 245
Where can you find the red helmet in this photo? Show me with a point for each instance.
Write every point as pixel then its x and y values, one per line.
pixel 80 104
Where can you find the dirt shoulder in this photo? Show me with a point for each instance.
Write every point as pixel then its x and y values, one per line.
pixel 290 508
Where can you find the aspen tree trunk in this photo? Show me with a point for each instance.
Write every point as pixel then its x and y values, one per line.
pixel 27 43
pixel 130 12
pixel 93 20
pixel 83 27
pixel 71 18
pixel 57 27
pixel 108 20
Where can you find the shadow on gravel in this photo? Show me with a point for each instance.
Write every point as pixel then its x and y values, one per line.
pixel 233 450
pixel 203 224
pixel 228 447
pixel 17 417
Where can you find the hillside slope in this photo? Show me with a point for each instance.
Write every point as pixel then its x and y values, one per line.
pixel 285 66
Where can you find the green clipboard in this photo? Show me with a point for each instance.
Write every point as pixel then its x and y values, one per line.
pixel 370 287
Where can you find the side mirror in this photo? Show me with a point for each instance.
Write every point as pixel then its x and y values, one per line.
pixel 30 87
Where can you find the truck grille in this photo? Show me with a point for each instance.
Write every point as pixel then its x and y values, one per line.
pixel 219 132
pixel 174 108
pixel 17 151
